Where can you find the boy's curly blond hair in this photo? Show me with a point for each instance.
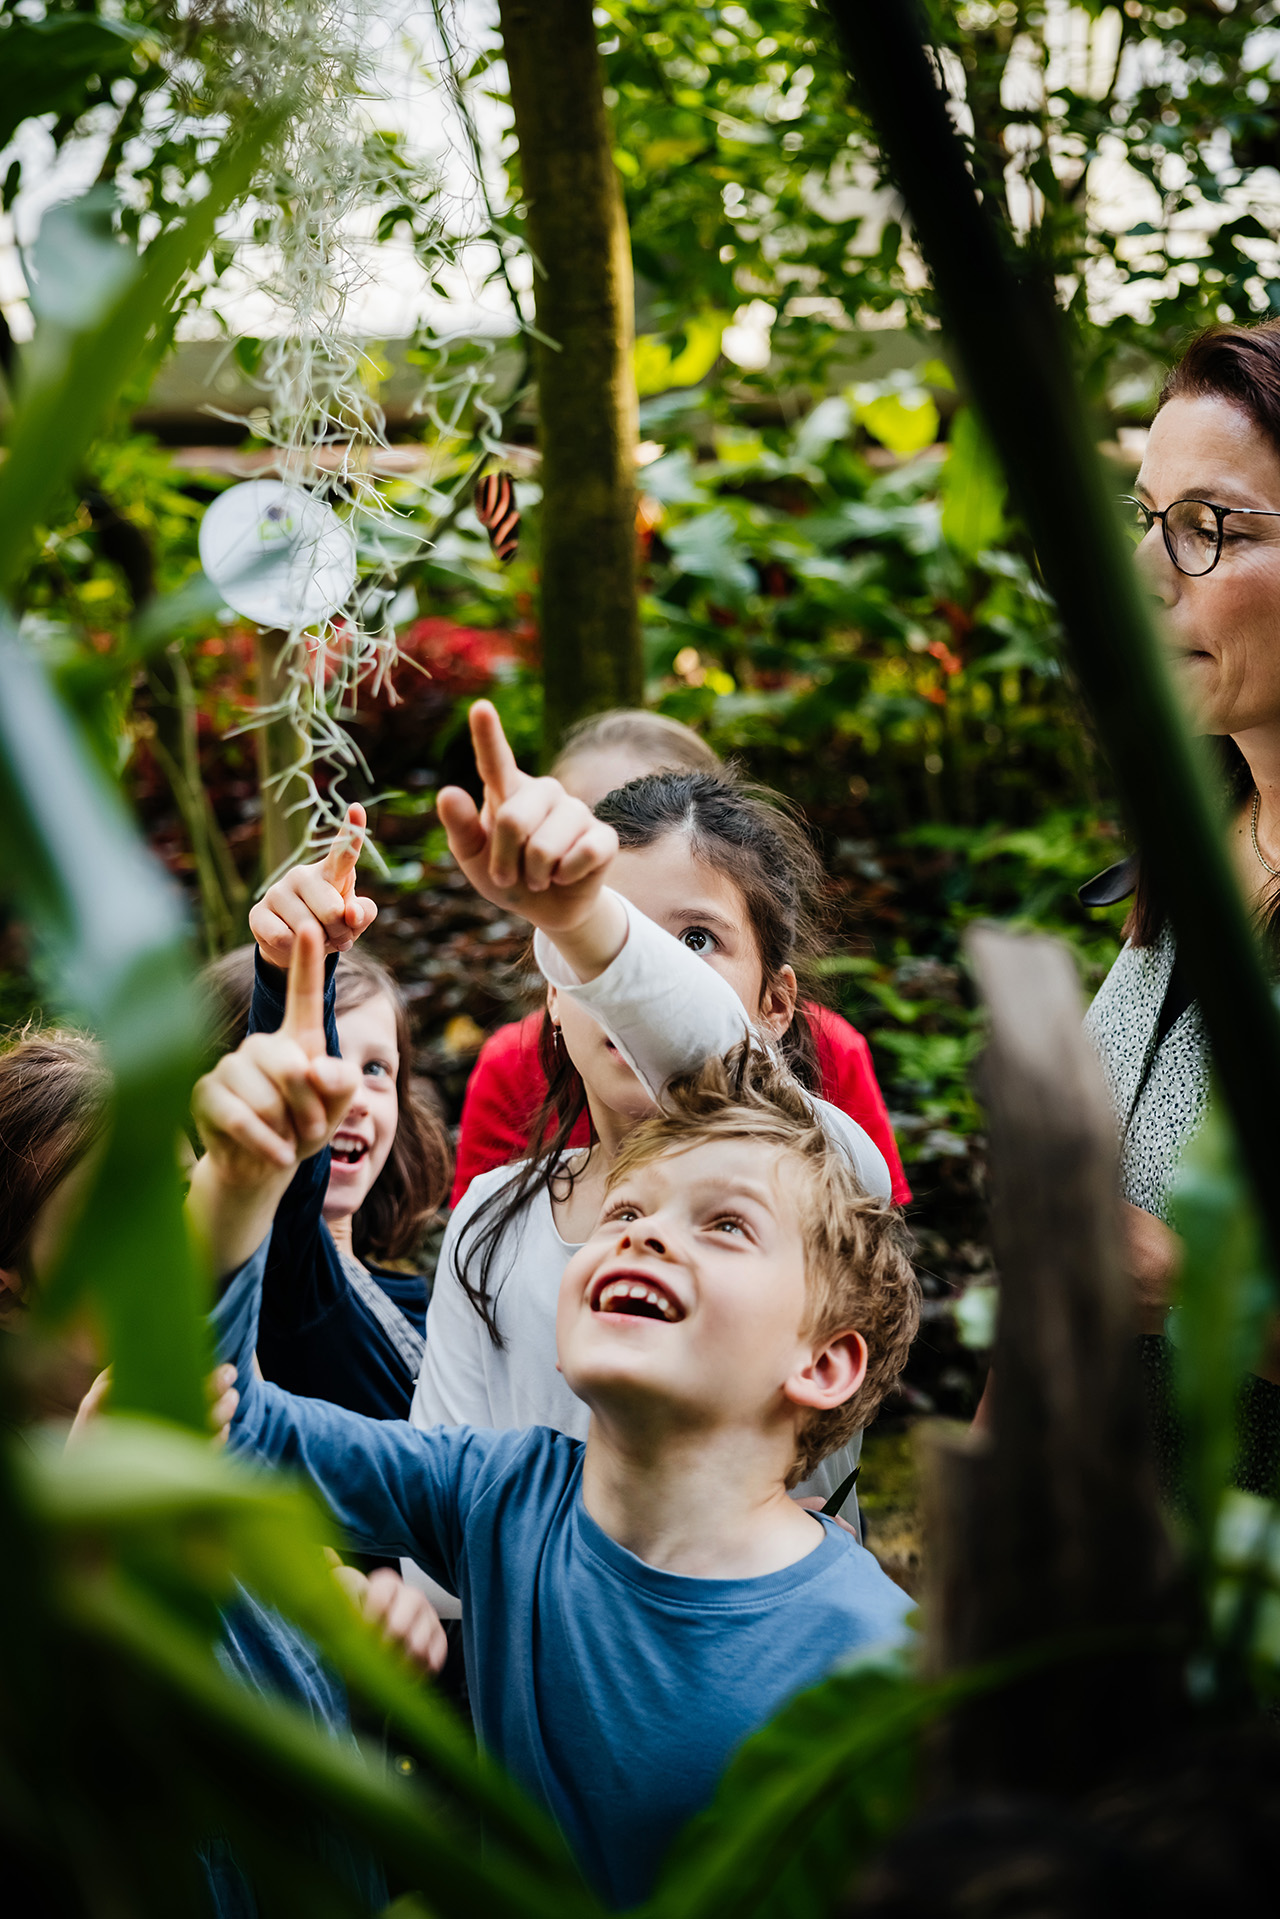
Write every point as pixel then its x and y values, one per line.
pixel 858 1271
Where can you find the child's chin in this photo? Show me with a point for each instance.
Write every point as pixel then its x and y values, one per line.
pixel 595 1370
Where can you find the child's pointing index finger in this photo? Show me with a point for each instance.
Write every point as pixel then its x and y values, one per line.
pixel 340 861
pixel 495 762
pixel 304 999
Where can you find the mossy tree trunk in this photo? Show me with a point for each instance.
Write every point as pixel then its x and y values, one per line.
pixel 586 386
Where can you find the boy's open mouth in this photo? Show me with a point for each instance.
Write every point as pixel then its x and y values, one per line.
pixel 347 1149
pixel 634 1297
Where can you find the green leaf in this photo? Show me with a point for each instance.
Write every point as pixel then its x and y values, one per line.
pixel 905 421
pixel 973 489
pixel 188 1522
pixel 118 936
pixel 658 367
pixel 47 66
pixel 1223 1299
pixel 806 1798
pixel 100 306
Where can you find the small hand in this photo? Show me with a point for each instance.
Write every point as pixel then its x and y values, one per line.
pixel 321 894
pixel 223 1400
pixel 1152 1255
pixel 814 1505
pixel 220 1390
pixel 278 1098
pixel 531 847
pixel 408 1618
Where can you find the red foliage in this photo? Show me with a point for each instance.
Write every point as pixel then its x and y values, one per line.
pixel 949 662
pixel 459 660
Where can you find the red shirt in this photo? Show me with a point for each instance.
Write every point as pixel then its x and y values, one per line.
pixel 507 1087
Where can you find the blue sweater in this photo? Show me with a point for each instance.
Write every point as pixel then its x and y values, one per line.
pixel 613 1692
pixel 317 1337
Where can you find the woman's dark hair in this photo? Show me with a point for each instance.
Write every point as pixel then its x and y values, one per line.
pixel 415 1180
pixel 1239 364
pixel 756 841
pixel 53 1104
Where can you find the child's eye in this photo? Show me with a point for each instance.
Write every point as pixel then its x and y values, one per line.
pixel 729 1223
pixel 378 1068
pixel 622 1213
pixel 698 940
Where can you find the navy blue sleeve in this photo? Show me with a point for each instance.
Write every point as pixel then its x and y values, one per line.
pixel 397 1491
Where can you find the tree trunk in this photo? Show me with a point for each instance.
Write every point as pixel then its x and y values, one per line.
pixel 586 386
pixel 280 745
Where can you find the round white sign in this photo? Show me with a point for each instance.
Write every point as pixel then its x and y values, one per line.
pixel 276 554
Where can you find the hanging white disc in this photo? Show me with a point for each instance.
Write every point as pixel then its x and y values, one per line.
pixel 276 554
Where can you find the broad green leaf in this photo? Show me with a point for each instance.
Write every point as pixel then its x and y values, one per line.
pixel 1223 1299
pixel 707 546
pixel 973 489
pixel 275 1751
pixel 1219 1323
pixel 805 1799
pixel 905 420
pixel 119 939
pixel 658 367
pixel 98 317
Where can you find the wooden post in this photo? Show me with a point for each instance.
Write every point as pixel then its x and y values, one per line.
pixel 279 745
pixel 1049 1530
pixel 586 385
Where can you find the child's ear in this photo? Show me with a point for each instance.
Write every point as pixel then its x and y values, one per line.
pixel 832 1374
pixel 553 1004
pixel 778 1002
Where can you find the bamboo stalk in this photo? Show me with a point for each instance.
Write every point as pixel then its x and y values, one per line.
pixel 1014 347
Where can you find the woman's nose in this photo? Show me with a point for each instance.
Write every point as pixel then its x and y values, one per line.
pixel 1156 570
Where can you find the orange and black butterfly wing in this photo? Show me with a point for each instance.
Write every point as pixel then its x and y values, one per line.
pixel 496 510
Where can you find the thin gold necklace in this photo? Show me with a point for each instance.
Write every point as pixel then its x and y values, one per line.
pixel 1253 835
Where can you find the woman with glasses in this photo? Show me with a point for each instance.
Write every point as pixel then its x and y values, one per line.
pixel 1206 519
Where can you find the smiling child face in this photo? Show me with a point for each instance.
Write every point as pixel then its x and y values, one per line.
pixel 367 1036
pixel 690 1295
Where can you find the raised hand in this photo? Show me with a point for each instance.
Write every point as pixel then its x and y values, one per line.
pixel 321 894
pixel 220 1391
pixel 530 847
pixel 273 1102
pixel 407 1617
pixel 279 1097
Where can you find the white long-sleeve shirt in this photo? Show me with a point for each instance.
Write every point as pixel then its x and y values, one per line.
pixel 666 1011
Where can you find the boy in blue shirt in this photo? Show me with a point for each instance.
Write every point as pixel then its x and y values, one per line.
pixel 633 1607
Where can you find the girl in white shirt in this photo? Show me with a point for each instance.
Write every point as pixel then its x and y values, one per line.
pixel 692 949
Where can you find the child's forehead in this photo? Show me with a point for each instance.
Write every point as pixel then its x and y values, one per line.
pixel 753 1168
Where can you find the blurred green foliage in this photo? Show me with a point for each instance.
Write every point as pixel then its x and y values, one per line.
pixel 747 175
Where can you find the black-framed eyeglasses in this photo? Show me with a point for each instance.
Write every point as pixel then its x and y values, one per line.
pixel 1192 529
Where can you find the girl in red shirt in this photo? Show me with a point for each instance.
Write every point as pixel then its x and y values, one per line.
pixel 507 1087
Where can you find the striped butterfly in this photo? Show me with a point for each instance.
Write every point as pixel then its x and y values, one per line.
pixel 496 510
